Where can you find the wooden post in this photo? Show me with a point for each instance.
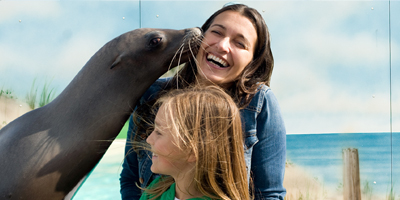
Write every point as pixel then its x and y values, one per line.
pixel 351 175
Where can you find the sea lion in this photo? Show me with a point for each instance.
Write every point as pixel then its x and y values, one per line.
pixel 45 153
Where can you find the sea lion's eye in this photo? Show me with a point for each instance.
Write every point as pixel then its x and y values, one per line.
pixel 155 41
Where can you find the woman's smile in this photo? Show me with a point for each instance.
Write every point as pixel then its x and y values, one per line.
pixel 216 62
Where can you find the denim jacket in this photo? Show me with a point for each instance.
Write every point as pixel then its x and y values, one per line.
pixel 265 148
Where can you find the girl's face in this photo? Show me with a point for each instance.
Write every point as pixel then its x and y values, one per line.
pixel 228 47
pixel 167 158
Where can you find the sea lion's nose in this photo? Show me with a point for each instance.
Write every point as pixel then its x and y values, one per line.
pixel 196 31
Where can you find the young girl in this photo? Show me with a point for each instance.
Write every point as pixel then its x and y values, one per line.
pixel 197 146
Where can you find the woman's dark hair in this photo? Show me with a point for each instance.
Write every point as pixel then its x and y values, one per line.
pixel 257 72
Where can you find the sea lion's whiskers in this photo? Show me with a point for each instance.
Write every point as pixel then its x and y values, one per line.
pixel 203 42
pixel 194 57
pixel 197 44
pixel 200 70
pixel 200 41
pixel 173 58
pixel 180 55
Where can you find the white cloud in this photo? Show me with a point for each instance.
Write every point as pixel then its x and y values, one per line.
pixel 310 41
pixel 310 92
pixel 310 103
pixel 16 10
pixel 349 50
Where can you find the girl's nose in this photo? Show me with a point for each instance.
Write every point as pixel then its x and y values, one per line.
pixel 149 139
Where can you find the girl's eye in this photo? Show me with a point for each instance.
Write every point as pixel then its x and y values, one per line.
pixel 157 133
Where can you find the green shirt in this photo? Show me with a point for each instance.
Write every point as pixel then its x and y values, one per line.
pixel 167 195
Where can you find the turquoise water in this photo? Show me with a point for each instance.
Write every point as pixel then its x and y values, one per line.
pixel 103 182
pixel 319 154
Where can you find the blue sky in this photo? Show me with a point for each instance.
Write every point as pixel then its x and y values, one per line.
pixel 332 58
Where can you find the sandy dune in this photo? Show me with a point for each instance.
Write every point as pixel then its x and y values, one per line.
pixel 10 109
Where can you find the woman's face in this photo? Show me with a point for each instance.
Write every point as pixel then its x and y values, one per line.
pixel 228 47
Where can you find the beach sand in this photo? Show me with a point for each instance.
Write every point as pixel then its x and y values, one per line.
pixel 10 109
pixel 302 185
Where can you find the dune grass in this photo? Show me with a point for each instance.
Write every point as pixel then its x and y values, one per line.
pixel 367 190
pixel 301 185
pixel 7 93
pixel 31 96
pixel 391 194
pixel 46 95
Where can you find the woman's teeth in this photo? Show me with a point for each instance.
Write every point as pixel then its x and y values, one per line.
pixel 217 60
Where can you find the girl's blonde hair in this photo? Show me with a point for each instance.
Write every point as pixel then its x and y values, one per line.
pixel 206 121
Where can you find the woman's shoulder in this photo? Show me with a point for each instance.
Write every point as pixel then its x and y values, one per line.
pixel 162 82
pixel 262 89
pixel 152 92
pixel 264 93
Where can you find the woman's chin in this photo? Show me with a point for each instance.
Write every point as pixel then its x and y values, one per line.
pixel 206 78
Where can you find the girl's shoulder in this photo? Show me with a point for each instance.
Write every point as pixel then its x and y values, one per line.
pixel 155 181
pixel 169 194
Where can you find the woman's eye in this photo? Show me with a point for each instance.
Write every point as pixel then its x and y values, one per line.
pixel 241 45
pixel 155 41
pixel 216 32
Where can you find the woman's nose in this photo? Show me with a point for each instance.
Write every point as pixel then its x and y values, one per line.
pixel 224 45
